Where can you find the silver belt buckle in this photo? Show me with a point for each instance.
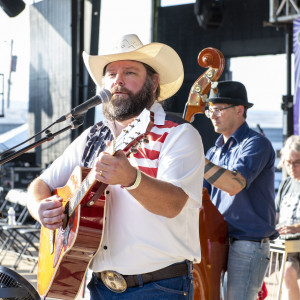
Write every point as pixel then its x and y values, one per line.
pixel 114 281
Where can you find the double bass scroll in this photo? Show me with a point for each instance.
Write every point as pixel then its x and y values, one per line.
pixel 212 59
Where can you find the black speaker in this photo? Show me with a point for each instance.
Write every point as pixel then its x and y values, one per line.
pixel 209 13
pixel 12 7
pixel 14 286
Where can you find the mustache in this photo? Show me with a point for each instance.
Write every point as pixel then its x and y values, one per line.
pixel 119 88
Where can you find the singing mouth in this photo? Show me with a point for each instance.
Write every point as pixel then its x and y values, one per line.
pixel 119 93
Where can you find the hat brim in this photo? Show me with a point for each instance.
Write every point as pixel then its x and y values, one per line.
pixel 162 58
pixel 230 101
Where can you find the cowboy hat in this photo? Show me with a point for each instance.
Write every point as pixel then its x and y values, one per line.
pixel 229 92
pixel 162 58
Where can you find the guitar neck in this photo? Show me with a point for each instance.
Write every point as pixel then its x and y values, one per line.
pixel 129 138
pixel 88 184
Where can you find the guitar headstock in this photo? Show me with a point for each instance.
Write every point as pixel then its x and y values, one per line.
pixel 135 132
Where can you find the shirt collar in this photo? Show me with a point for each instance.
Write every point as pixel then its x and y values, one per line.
pixel 159 113
pixel 237 136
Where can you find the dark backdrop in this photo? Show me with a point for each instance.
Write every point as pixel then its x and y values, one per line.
pixel 243 32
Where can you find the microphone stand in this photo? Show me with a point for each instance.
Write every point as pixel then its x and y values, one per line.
pixel 78 121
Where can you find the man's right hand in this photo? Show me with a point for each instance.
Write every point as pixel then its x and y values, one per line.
pixel 51 212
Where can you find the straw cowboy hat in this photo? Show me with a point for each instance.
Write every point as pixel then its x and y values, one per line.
pixel 229 92
pixel 162 58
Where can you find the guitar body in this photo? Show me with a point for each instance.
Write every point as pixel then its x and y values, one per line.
pixel 208 274
pixel 65 254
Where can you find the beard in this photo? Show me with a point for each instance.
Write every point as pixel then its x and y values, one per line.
pixel 121 108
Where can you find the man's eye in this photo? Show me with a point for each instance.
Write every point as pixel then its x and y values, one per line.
pixel 110 75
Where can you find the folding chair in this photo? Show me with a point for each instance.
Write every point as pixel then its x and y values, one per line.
pixel 30 248
pixel 21 239
pixel 10 240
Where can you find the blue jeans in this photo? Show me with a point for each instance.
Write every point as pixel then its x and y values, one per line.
pixel 177 288
pixel 247 265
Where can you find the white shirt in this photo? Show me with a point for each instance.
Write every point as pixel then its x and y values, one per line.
pixel 135 240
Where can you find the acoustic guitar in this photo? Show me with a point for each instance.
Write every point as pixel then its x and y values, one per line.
pixel 65 253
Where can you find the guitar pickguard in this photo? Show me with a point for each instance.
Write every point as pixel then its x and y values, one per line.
pixel 63 239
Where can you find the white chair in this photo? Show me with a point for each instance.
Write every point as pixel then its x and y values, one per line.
pixel 279 250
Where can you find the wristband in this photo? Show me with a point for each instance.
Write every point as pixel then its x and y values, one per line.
pixel 137 181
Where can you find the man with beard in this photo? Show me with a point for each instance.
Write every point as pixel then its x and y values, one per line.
pixel 150 239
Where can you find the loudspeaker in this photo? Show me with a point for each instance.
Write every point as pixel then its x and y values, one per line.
pixel 14 286
pixel 209 13
pixel 12 7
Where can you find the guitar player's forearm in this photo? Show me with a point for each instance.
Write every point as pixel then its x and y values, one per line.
pixel 160 197
pixel 38 191
pixel 157 196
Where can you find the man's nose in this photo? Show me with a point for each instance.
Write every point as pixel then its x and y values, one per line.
pixel 213 116
pixel 119 80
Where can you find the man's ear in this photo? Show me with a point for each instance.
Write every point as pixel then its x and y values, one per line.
pixel 155 79
pixel 241 109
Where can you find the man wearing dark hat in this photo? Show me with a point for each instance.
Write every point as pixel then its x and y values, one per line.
pixel 239 175
pixel 151 238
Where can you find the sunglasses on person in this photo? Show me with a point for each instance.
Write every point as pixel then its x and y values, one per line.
pixel 292 163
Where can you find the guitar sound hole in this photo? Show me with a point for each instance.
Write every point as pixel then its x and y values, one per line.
pixel 65 221
pixel 66 218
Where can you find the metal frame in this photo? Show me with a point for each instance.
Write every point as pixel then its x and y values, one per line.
pixel 283 11
pixel 2 96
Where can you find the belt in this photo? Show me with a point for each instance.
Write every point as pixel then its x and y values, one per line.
pixel 119 283
pixel 262 241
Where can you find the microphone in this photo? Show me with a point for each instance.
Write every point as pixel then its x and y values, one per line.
pixel 103 96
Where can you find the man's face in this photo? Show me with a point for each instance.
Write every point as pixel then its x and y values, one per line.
pixel 292 163
pixel 131 88
pixel 222 117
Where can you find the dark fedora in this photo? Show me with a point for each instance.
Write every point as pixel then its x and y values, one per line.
pixel 230 92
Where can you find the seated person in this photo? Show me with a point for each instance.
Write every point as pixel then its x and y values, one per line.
pixel 288 212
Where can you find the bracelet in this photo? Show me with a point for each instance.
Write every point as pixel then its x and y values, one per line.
pixel 137 181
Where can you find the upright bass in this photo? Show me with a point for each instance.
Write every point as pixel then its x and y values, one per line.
pixel 208 274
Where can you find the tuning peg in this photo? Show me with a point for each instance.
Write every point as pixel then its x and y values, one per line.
pixel 204 98
pixel 198 89
pixel 214 84
pixel 133 150
pixel 145 140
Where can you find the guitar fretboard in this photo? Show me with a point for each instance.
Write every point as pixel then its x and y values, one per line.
pixel 129 137
pixel 85 186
